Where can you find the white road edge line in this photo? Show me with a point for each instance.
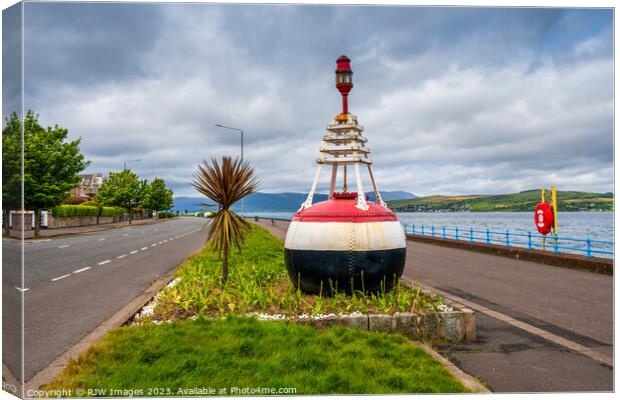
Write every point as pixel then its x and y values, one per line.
pixel 122 256
pixel 77 271
pixel 60 277
pixel 104 262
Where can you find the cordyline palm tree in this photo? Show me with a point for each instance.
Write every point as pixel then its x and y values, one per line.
pixel 226 184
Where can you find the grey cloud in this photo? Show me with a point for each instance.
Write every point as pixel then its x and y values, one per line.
pixel 455 100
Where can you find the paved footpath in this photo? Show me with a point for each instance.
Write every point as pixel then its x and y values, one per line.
pixel 525 305
pixel 76 230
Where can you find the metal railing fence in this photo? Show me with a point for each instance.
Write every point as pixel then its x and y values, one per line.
pixel 532 241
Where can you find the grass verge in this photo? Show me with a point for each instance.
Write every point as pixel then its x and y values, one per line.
pixel 176 358
pixel 258 283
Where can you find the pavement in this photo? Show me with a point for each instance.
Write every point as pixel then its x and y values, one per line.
pixel 71 284
pixel 74 230
pixel 572 305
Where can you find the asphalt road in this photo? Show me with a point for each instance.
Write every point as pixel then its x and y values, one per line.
pixel 74 283
pixel 574 305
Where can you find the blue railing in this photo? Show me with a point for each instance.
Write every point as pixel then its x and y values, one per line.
pixel 533 241
pixel 588 247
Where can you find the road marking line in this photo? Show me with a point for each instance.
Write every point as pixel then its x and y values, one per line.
pixel 22 290
pixel 160 242
pixel 104 262
pixel 60 277
pixel 133 251
pixel 101 239
pixel 154 244
pixel 63 246
pixel 125 234
pixel 144 248
pixel 122 256
pixel 569 344
pixel 77 271
pixel 45 240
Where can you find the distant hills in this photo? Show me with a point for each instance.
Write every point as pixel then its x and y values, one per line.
pixel 275 202
pixel 522 201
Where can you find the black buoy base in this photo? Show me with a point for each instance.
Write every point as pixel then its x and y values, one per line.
pixel 371 271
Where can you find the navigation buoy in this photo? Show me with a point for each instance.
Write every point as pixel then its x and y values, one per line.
pixel 346 242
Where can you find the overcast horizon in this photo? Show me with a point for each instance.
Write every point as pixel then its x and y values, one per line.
pixel 453 100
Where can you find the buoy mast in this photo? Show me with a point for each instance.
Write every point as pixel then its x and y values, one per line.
pixel 344 145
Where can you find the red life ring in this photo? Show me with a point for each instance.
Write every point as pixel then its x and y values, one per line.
pixel 543 218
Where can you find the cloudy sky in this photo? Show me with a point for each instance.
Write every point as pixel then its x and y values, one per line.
pixel 453 100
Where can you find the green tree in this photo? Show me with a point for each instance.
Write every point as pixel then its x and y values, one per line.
pixel 157 197
pixel 123 189
pixel 11 168
pixel 51 166
pixel 226 184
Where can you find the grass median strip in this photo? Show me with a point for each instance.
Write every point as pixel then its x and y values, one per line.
pixel 242 352
pixel 259 283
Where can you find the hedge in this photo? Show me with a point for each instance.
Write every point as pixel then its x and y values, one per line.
pixel 112 211
pixel 166 214
pixel 67 210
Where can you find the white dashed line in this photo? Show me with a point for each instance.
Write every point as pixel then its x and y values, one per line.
pixel 154 244
pixel 22 290
pixel 104 262
pixel 77 271
pixel 144 248
pixel 101 239
pixel 122 256
pixel 63 246
pixel 60 277
pixel 133 251
pixel 160 243
pixel 125 235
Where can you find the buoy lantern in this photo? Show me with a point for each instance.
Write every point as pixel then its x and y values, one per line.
pixel 346 242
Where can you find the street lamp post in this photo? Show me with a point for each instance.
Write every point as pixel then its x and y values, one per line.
pixel 234 129
pixel 128 161
pixel 241 132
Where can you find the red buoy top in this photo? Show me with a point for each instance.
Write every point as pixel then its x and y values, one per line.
pixel 344 210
